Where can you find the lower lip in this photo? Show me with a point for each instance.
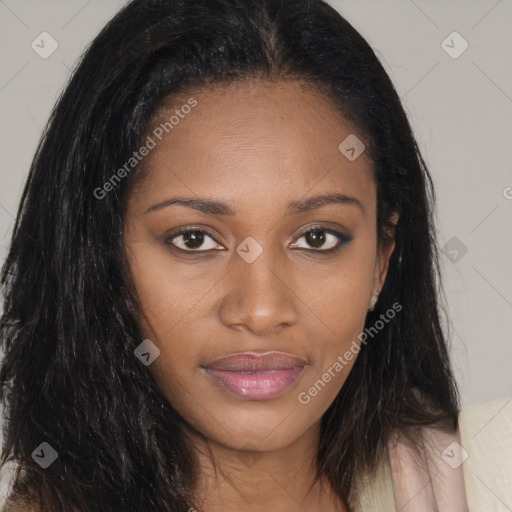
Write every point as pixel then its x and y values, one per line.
pixel 255 385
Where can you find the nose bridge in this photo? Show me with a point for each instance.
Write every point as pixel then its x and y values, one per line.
pixel 258 297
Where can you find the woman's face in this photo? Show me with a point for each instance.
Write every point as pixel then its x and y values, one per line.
pixel 286 264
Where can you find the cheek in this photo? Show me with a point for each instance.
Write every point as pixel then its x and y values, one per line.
pixel 167 300
pixel 339 301
pixel 167 293
pixel 336 320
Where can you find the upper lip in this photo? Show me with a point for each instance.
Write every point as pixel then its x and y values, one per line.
pixel 251 361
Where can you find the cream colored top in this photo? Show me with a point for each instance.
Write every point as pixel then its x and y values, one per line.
pixel 469 472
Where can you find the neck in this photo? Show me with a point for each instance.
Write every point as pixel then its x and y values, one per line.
pixel 233 480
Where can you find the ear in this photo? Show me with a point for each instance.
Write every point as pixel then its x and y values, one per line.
pixel 382 263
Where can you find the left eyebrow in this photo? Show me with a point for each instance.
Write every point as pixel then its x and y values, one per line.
pixel 312 203
pixel 213 207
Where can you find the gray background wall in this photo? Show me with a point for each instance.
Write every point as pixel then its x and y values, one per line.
pixel 459 101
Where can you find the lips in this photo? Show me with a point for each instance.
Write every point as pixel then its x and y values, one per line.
pixel 252 362
pixel 253 376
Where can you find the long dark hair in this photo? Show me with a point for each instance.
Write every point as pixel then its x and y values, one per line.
pixel 69 376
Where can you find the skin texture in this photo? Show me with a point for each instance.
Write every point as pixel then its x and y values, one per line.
pixel 256 146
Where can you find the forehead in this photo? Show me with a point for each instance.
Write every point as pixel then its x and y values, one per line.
pixel 254 142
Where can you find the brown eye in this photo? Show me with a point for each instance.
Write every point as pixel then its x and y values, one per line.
pixel 323 240
pixel 193 240
pixel 315 238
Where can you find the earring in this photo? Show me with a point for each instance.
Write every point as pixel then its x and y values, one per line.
pixel 373 301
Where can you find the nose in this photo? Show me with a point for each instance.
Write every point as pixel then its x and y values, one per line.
pixel 260 297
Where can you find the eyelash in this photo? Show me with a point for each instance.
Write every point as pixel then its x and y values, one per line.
pixel 343 240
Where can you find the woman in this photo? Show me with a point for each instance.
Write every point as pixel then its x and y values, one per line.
pixel 297 358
